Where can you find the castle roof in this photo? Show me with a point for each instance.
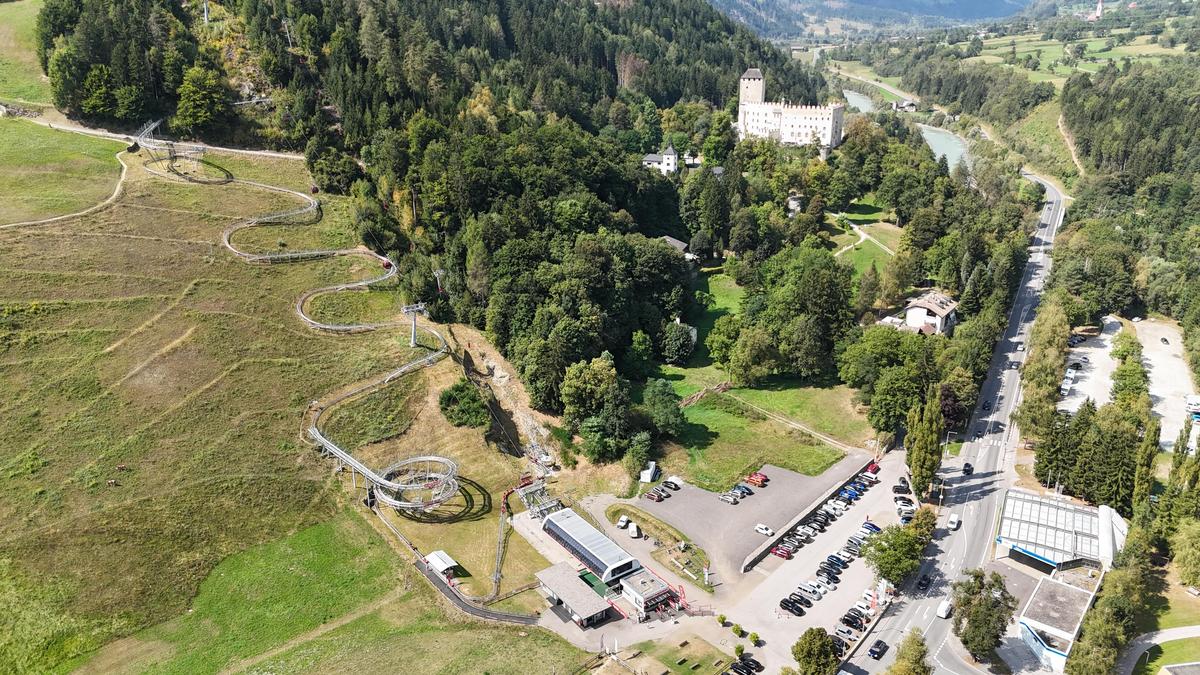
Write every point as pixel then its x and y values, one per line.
pixel 752 74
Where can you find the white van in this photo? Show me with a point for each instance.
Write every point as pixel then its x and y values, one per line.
pixel 944 609
pixel 633 531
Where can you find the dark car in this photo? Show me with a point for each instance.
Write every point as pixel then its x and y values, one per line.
pixel 987 405
pixel 671 484
pixel 830 569
pixel 839 645
pixel 901 490
pixel 851 621
pixel 968 469
pixel 877 649
pixel 741 668
pixel 857 613
pixel 791 606
pixel 814 524
pixel 838 562
pixel 924 581
pixel 903 481
pixel 796 597
pixel 753 663
pixel 1165 341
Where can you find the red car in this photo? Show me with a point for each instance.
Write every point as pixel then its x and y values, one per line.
pixel 873 467
pixel 756 482
pixel 653 496
pixel 759 475
pixel 781 552
pixel 387 264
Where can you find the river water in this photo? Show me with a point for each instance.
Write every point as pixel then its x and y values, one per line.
pixel 859 101
pixel 943 142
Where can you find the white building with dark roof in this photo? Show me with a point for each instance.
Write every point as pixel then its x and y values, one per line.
pixel 787 123
pixel 595 550
pixel 665 163
pixel 931 312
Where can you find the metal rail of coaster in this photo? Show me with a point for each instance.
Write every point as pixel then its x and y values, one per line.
pixel 415 483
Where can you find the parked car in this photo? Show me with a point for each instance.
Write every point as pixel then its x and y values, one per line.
pixel 968 469
pixel 622 522
pixel 924 582
pixel 839 645
pixel 834 560
pixel 901 490
pixel 868 477
pixel 1165 341
pixel 797 597
pixel 903 501
pixel 793 608
pixel 764 530
pixel 655 497
pixel 861 615
pixel 782 552
pixel 872 526
pixel 906 519
pixel 864 607
pixel 740 668
pixel 954 521
pixel 851 621
pixel 759 475
pixel 825 583
pixel 728 498
pixel 670 484
pixel 753 663
pixel 877 649
pixel 846 634
pixel 814 525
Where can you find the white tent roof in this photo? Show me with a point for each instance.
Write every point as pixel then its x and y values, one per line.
pixel 439 561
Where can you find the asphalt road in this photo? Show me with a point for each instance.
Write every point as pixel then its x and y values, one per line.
pixel 976 498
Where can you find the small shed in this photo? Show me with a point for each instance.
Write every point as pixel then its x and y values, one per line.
pixel 441 562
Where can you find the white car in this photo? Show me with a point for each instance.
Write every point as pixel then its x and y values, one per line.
pixel 954 521
pixel 764 530
pixel 622 522
pixel 825 586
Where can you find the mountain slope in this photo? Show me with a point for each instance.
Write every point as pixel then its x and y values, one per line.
pixel 794 18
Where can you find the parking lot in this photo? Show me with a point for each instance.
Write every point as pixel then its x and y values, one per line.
pixel 726 531
pixel 1096 366
pixel 1170 377
pixel 759 609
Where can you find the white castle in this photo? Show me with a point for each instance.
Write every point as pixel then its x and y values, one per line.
pixel 788 124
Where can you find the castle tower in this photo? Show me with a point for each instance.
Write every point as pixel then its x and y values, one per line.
pixel 752 88
pixel 1099 9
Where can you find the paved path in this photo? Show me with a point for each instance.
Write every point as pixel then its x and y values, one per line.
pixel 1133 652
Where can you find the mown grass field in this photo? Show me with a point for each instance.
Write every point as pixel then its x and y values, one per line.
pixel 724 440
pixel 697 656
pixel 46 173
pixel 860 70
pixel 21 78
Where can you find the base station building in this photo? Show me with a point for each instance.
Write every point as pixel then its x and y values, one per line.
pixel 615 574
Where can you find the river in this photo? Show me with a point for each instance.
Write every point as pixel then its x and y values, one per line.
pixel 861 102
pixel 943 142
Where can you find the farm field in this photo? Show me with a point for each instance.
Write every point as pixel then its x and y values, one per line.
pixel 860 70
pixel 1051 52
pixel 21 79
pixel 46 173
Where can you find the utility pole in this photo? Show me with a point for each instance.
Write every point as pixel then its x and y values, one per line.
pixel 414 310
pixel 438 274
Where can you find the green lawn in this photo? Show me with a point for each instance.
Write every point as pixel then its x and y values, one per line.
pixel 1038 138
pixel 861 256
pixel 1168 653
pixel 725 440
pixel 45 173
pixel 828 408
pixel 700 372
pixel 857 68
pixel 260 599
pixel 888 234
pixel 1171 608
pixel 21 79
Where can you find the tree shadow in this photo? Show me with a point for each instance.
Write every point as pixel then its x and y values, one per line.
pixel 696 436
pixel 473 503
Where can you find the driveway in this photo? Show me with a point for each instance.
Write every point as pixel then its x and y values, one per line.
pixel 726 531
pixel 1170 377
pixel 1097 364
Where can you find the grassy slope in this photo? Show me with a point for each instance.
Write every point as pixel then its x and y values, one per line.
pixel 130 338
pixel 21 77
pixel 261 599
pixel 1038 138
pixel 45 173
